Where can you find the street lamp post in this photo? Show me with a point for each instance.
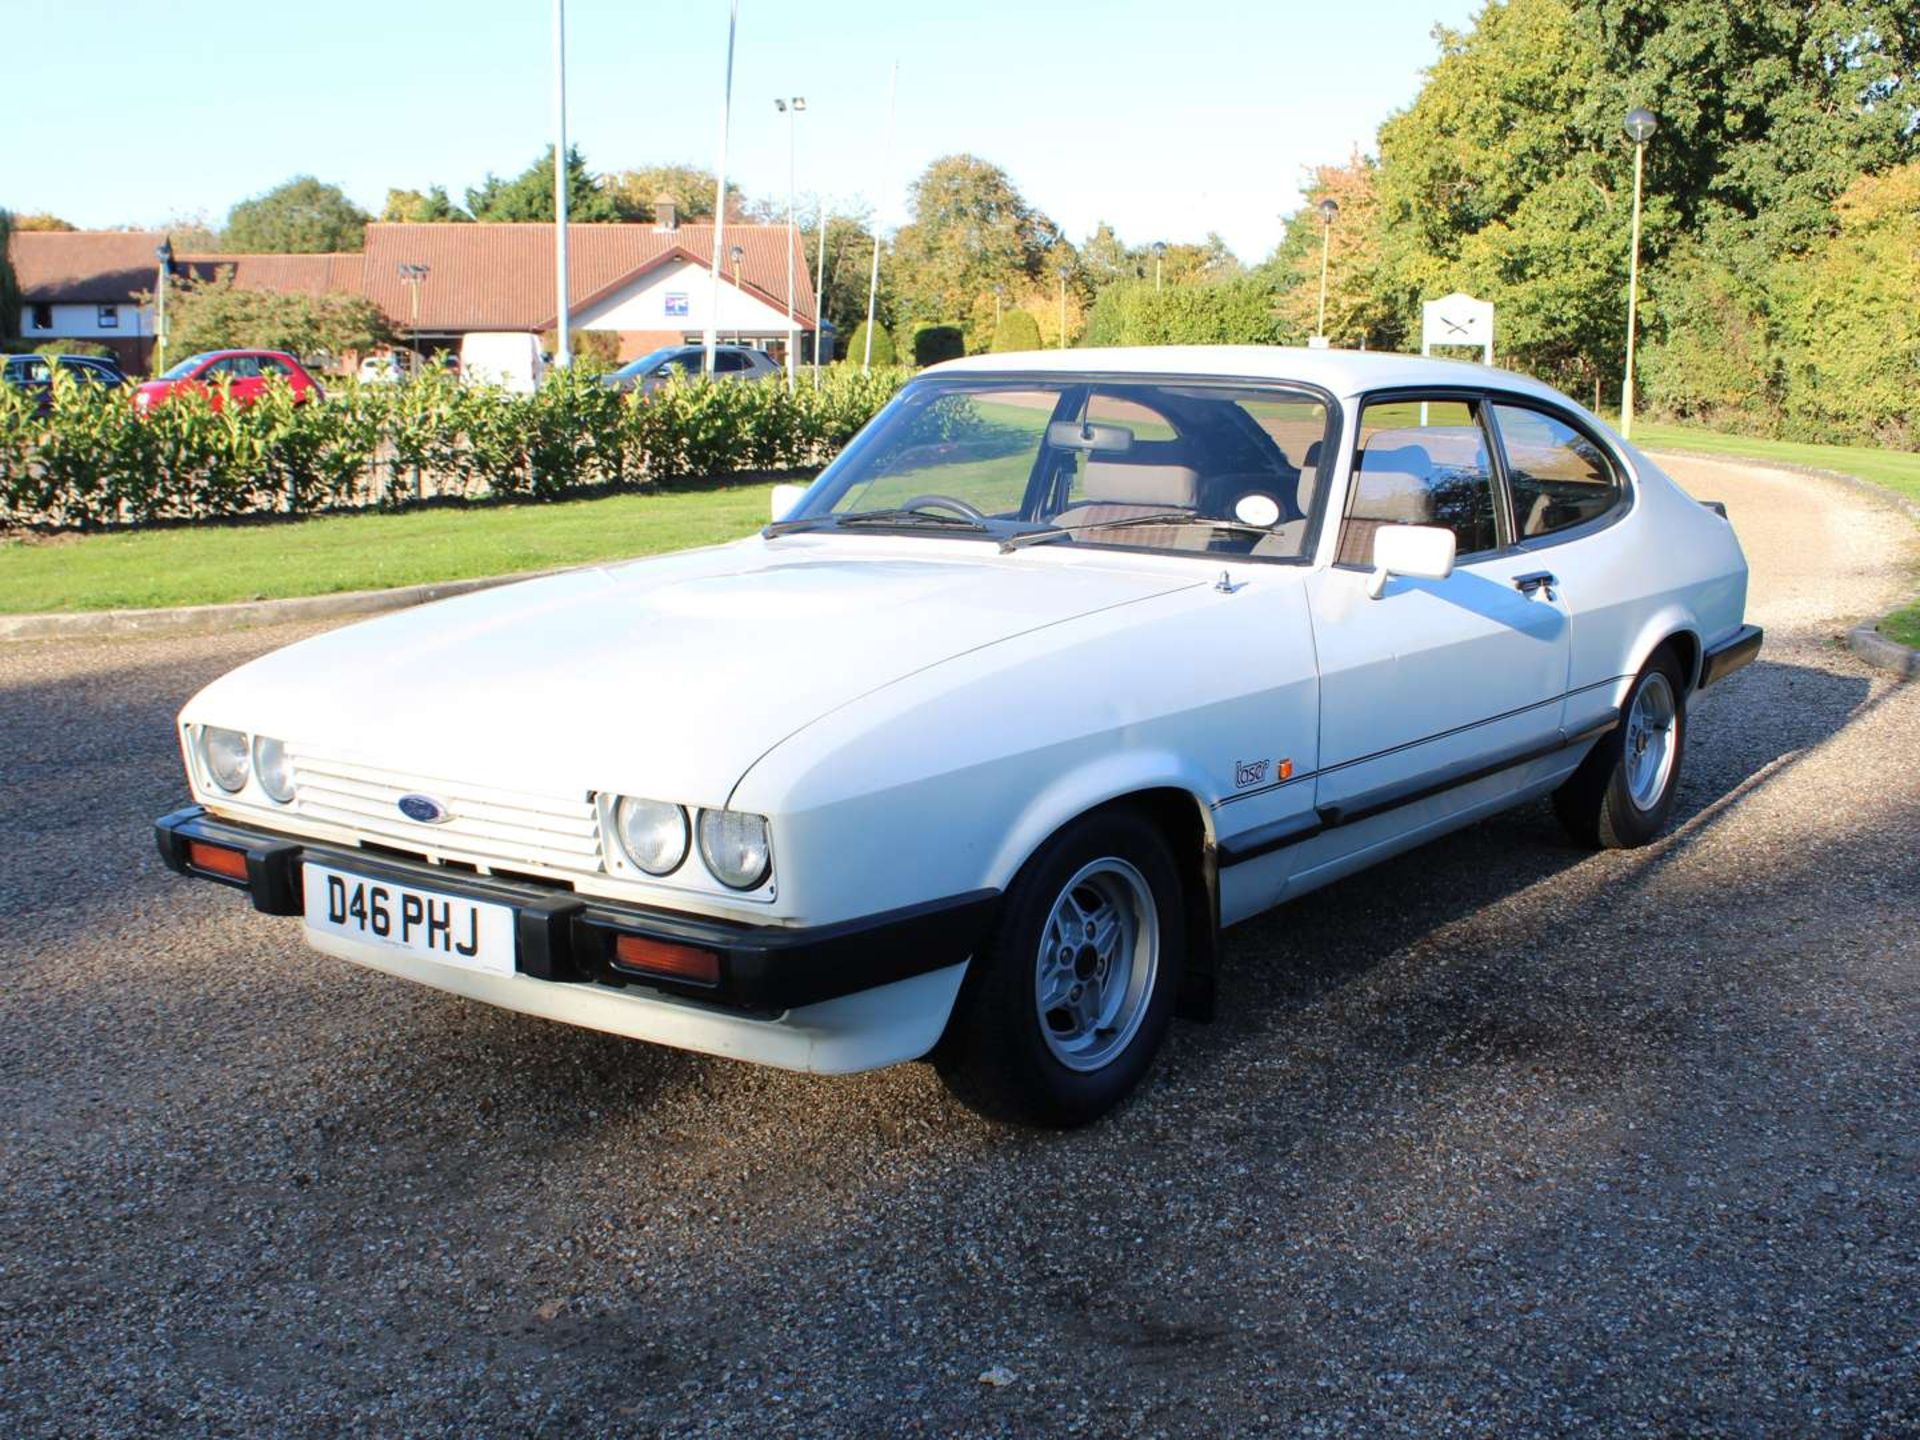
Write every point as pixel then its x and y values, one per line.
pixel 163 252
pixel 1159 254
pixel 1639 125
pixel 791 109
pixel 411 276
pixel 1328 208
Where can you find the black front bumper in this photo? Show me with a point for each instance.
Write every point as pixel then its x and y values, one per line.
pixel 568 938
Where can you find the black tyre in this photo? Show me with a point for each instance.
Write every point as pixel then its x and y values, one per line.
pixel 1622 793
pixel 1062 1016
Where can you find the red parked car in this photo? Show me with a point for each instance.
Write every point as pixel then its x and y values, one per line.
pixel 245 374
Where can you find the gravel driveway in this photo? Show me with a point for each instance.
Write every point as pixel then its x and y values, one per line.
pixel 1501 1138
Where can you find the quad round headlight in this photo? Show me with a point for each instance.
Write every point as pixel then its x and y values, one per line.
pixel 734 845
pixel 224 754
pixel 273 769
pixel 653 833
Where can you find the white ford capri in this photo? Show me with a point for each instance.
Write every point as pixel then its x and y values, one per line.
pixel 1070 661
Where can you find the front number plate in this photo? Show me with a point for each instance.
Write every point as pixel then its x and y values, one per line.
pixel 471 933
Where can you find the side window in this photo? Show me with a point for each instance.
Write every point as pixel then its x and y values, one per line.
pixel 244 367
pixel 1420 463
pixel 1559 477
pixel 729 362
pixel 215 372
pixel 270 367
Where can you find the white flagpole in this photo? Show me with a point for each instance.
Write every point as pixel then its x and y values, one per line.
pixel 886 168
pixel 563 347
pixel 720 195
pixel 820 292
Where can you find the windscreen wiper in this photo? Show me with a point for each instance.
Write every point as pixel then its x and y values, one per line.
pixel 912 517
pixel 1061 532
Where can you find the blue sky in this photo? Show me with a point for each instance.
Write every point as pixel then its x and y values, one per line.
pixel 1168 120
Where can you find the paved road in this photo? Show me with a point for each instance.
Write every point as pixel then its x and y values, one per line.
pixel 1499 1139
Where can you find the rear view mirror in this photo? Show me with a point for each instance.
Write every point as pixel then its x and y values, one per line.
pixel 1419 552
pixel 785 497
pixel 1080 435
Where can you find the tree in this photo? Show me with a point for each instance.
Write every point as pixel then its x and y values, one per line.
pixel 40 221
pixel 971 232
pixel 192 233
pixel 216 314
pixel 633 193
pixel 529 195
pixel 1105 258
pixel 301 216
pixel 1186 263
pixel 9 282
pixel 849 256
pixel 1359 311
pixel 1768 109
pixel 420 207
pixel 1851 322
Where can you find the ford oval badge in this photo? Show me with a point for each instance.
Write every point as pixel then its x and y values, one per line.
pixel 424 808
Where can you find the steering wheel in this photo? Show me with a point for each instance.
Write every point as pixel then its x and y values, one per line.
pixel 945 502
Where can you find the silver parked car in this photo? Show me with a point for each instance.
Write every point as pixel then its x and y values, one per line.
pixel 730 362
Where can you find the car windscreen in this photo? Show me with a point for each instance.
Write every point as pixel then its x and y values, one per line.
pixel 187 366
pixel 635 368
pixel 1178 465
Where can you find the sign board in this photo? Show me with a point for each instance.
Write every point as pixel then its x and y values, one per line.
pixel 677 303
pixel 1457 319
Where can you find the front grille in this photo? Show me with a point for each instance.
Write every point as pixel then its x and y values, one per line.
pixel 487 827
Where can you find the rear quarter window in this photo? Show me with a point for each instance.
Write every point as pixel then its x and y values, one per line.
pixel 1559 476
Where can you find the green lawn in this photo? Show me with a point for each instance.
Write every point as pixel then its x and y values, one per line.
pixel 1898 470
pixel 207 563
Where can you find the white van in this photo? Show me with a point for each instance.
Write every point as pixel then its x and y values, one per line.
pixel 510 359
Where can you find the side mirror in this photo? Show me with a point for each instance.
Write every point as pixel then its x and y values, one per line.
pixel 785 497
pixel 1419 552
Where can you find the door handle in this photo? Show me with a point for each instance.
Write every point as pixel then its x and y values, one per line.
pixel 1535 582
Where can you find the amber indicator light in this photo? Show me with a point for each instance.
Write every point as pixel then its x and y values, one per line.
pixel 217 859
pixel 662 957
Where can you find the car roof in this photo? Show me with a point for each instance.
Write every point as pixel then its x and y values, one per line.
pixel 1343 372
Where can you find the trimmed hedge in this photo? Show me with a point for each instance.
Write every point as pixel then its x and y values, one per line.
pixel 883 349
pixel 97 461
pixel 934 343
pixel 1018 330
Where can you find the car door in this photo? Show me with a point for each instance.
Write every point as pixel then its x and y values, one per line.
pixel 248 379
pixel 213 378
pixel 1436 681
pixel 1567 491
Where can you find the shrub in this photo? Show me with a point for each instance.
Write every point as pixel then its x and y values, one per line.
pixel 1224 312
pixel 1017 330
pixel 883 351
pixel 594 351
pixel 94 460
pixel 72 347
